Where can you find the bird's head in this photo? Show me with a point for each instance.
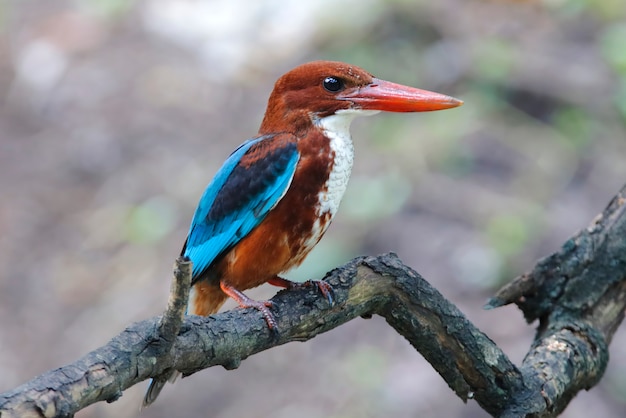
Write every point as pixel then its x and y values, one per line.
pixel 313 91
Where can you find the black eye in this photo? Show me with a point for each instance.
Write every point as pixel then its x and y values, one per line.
pixel 333 84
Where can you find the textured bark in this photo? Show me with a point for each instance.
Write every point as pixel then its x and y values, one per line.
pixel 578 294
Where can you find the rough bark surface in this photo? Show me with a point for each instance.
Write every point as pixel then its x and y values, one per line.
pixel 578 294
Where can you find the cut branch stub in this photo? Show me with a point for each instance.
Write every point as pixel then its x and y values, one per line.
pixel 588 266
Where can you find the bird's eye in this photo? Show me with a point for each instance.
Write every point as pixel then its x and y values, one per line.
pixel 333 84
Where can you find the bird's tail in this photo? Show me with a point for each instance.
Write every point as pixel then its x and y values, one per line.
pixel 204 299
pixel 156 386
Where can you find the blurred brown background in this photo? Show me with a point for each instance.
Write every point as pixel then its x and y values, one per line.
pixel 115 114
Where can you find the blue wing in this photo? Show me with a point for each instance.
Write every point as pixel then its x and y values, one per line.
pixel 250 183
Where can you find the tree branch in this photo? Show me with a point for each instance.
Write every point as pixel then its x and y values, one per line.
pixel 578 294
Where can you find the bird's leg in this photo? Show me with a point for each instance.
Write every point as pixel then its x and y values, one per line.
pixel 325 289
pixel 245 302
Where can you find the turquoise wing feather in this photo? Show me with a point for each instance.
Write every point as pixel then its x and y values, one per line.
pixel 248 185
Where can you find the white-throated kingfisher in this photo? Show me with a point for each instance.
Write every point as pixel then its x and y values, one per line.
pixel 275 196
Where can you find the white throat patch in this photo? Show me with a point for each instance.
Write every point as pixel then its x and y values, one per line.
pixel 337 128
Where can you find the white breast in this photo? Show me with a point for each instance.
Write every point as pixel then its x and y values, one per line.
pixel 337 129
pixel 342 150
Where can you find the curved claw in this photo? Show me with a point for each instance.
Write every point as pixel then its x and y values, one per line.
pixel 245 302
pixel 263 307
pixel 325 289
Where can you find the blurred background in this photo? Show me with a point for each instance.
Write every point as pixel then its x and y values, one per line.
pixel 115 114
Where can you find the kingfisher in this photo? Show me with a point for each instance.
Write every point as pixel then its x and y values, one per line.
pixel 275 196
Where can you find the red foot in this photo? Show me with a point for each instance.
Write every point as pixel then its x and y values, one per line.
pixel 325 289
pixel 245 302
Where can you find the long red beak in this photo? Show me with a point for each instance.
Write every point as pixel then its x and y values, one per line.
pixel 391 97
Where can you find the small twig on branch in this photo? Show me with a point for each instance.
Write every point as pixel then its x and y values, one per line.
pixel 587 265
pixel 569 353
pixel 172 319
